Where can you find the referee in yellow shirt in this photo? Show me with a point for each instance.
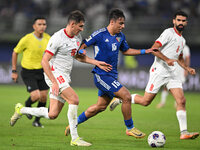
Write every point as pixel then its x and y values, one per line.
pixel 32 46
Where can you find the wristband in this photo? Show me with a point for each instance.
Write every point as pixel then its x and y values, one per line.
pixel 82 51
pixel 14 71
pixel 142 51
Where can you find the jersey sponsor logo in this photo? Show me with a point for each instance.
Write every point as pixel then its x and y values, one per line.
pixel 106 40
pixel 114 47
pixel 118 39
pixel 88 39
pixel 78 43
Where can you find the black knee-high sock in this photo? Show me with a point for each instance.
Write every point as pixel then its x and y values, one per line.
pixel 29 102
pixel 40 104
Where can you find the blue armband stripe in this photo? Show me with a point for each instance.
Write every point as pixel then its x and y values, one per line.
pixel 81 51
pixel 142 51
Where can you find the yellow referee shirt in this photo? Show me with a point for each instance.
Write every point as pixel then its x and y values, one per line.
pixel 32 48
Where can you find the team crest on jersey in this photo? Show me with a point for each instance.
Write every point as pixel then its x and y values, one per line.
pixel 78 43
pixel 118 39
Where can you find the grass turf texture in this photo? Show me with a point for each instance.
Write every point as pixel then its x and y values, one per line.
pixel 106 131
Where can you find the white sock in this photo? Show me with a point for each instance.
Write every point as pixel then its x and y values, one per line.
pixel 181 116
pixel 133 98
pixel 72 117
pixel 38 112
pixel 164 95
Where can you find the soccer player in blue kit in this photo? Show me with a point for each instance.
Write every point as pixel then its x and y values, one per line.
pixel 107 42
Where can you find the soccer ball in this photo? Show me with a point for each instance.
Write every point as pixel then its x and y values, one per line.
pixel 156 139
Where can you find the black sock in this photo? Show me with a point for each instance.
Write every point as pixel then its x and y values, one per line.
pixel 29 102
pixel 40 104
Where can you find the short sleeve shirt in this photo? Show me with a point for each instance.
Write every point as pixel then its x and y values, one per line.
pixel 106 48
pixel 63 48
pixel 172 44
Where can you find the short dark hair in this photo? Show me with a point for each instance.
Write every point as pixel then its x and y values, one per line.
pixel 38 17
pixel 76 16
pixel 115 14
pixel 180 13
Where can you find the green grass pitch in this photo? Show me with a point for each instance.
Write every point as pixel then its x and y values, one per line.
pixel 106 131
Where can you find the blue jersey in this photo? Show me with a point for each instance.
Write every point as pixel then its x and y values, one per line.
pixel 106 48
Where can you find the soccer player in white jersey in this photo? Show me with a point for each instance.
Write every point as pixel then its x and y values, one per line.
pixel 183 75
pixel 169 55
pixel 57 64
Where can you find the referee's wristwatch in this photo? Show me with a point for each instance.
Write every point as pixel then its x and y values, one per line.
pixel 14 71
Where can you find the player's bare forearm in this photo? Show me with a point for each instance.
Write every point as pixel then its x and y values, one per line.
pixel 83 46
pixel 156 52
pixel 132 52
pixel 182 63
pixel 102 65
pixel 14 74
pixel 14 60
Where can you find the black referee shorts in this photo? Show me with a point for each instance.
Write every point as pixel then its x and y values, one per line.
pixel 34 79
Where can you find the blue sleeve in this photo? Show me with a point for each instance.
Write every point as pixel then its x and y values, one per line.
pixel 124 45
pixel 91 40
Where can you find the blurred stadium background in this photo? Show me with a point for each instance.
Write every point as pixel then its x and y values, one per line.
pixel 145 21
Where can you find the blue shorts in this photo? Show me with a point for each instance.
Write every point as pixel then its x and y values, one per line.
pixel 107 85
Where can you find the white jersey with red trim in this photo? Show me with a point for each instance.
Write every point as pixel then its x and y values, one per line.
pixel 63 48
pixel 172 44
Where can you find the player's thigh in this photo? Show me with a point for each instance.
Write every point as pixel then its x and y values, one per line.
pixel 70 96
pixel 178 94
pixel 35 95
pixel 149 97
pixel 55 108
pixel 43 95
pixel 103 101
pixel 123 94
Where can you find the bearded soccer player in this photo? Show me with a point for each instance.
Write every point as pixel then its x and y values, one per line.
pixel 169 55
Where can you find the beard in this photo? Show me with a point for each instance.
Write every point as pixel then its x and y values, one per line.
pixel 179 28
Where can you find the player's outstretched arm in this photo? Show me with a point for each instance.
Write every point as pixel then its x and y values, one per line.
pixel 47 70
pixel 133 52
pixel 156 52
pixel 102 65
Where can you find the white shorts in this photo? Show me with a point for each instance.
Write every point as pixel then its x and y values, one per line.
pixel 156 82
pixel 180 72
pixel 63 82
